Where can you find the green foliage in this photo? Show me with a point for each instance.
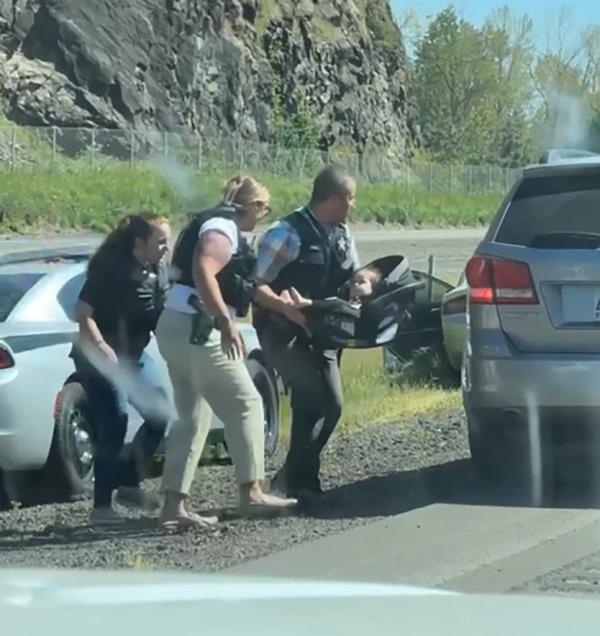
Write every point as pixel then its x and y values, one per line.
pixel 292 123
pixel 381 24
pixel 453 83
pixel 267 11
pixel 94 199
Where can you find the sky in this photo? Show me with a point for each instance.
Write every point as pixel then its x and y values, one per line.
pixel 540 10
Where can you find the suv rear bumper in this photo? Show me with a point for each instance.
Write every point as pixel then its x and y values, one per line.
pixel 527 382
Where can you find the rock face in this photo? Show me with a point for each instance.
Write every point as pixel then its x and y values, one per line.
pixel 212 66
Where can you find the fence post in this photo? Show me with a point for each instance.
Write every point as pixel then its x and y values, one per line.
pixel 92 147
pixel 199 153
pixel 54 143
pixel 165 143
pixel 431 274
pixel 303 163
pixel 241 163
pixel 276 159
pixel 13 149
pixel 470 179
pixel 132 148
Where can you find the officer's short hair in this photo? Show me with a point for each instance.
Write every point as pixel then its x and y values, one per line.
pixel 330 182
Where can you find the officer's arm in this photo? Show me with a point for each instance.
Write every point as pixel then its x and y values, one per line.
pixel 88 329
pixel 279 247
pixel 213 252
pixel 97 290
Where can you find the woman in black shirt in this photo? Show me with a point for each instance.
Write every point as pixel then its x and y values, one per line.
pixel 118 309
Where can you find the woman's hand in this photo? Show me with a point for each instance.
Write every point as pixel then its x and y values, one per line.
pixel 232 342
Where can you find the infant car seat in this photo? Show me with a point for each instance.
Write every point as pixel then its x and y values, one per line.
pixel 337 323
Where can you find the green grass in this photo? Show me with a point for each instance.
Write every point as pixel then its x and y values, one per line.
pixel 373 396
pixel 80 197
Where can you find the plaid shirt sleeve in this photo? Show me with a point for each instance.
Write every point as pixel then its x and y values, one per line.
pixel 278 247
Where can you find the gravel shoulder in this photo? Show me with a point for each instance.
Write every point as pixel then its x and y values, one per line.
pixel 370 474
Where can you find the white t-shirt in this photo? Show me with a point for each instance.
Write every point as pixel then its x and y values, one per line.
pixel 179 294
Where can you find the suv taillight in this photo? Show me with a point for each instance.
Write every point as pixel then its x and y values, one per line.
pixel 6 360
pixel 497 281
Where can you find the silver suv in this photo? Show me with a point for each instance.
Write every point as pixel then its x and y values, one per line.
pixel 531 370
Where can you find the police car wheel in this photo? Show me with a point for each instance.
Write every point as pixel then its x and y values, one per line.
pixel 71 460
pixel 267 387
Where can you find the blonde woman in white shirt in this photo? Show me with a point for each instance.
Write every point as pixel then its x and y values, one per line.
pixel 213 266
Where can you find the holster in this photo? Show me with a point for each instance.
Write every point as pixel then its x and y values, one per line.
pixel 202 323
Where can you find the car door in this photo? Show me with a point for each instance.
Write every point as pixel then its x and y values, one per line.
pixel 424 329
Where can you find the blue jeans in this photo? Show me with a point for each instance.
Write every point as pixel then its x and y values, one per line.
pixel 109 414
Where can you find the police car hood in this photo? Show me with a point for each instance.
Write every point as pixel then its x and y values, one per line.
pixel 100 603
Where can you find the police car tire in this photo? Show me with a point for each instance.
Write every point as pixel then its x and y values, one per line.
pixel 61 465
pixel 267 387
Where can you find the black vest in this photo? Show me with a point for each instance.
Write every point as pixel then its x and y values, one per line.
pixel 236 279
pixel 325 260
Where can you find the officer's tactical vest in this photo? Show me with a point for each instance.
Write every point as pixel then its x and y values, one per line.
pixel 325 260
pixel 235 280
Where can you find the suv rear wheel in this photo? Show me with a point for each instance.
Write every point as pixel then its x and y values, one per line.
pixel 508 451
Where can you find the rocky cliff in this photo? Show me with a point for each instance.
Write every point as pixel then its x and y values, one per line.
pixel 214 66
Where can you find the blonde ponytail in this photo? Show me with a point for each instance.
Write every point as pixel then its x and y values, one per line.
pixel 242 191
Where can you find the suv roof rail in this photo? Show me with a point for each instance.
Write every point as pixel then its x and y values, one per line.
pixel 50 254
pixel 552 155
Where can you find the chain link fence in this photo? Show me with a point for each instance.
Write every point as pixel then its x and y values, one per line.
pixel 37 148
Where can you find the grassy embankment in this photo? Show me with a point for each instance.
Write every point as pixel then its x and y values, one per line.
pixel 85 198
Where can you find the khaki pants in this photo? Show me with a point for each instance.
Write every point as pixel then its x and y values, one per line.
pixel 206 381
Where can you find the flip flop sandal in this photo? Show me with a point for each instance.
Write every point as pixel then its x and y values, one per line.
pixel 189 522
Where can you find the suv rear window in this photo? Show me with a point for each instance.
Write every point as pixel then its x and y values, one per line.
pixel 12 288
pixel 565 204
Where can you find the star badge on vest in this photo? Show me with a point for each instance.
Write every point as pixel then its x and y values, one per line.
pixel 343 245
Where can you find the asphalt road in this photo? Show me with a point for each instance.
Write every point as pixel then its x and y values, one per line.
pixel 451 248
pixel 473 540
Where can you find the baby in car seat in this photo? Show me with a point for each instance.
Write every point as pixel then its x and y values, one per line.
pixel 362 284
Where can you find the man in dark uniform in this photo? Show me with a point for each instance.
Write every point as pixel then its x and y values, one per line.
pixel 311 250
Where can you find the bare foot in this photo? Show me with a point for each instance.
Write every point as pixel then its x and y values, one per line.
pixel 261 503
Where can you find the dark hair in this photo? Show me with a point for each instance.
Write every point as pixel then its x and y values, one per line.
pixel 122 239
pixel 330 182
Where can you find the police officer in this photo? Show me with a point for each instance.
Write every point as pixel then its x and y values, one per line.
pixel 118 309
pixel 204 351
pixel 312 251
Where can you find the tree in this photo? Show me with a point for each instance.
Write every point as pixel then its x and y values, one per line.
pixel 509 44
pixel 453 83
